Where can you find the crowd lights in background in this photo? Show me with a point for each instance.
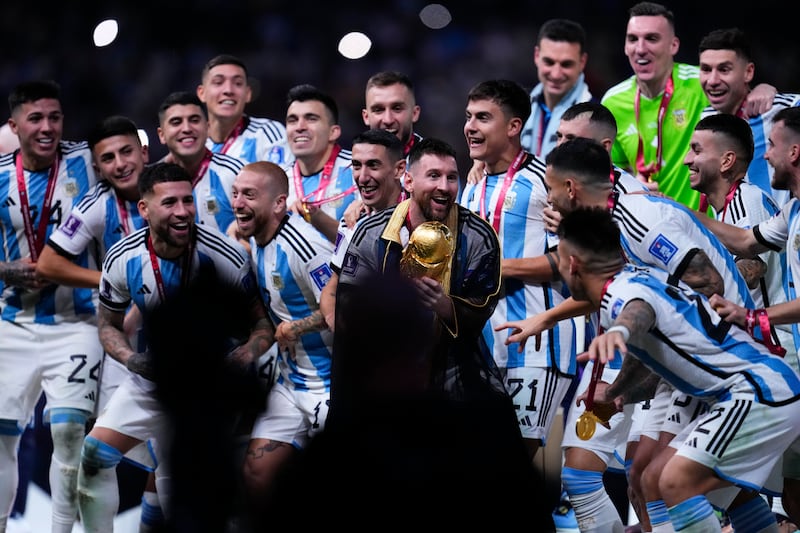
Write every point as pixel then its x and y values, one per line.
pixel 355 45
pixel 105 33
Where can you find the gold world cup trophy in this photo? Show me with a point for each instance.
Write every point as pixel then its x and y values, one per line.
pixel 428 252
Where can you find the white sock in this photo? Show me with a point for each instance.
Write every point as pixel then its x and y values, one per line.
pixel 9 476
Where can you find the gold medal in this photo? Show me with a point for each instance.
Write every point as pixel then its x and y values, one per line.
pixel 586 425
pixel 306 213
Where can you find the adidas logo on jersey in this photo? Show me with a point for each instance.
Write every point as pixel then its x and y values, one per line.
pixel 676 417
pixel 90 396
pixel 9 202
pixel 525 421
pixel 691 442
pixel 144 290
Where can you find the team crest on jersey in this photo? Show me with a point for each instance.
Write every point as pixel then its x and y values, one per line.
pixel 105 290
pixel 212 205
pixel 277 280
pixel 70 227
pixel 663 249
pixel 509 201
pixel 321 275
pixel 71 187
pixel 615 308
pixel 680 117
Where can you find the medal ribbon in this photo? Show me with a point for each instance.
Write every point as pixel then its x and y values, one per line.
pixel 501 197
pixel 597 371
pixel 324 181
pixel 237 130
pixel 35 240
pixel 662 111
pixel 728 198
pixel 185 267
pixel 203 168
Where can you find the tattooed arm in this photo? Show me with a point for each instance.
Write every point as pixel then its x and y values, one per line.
pixel 634 383
pixel 752 270
pixel 289 332
pixel 111 330
pixel 701 275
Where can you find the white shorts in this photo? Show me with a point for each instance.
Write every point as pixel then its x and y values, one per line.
pixel 292 416
pixel 649 415
pixel 742 440
pixel 112 375
pixel 537 394
pixel 63 360
pixel 133 410
pixel 607 444
pixel 682 411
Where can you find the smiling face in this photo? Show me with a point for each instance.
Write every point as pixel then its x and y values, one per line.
pixel 258 205
pixel 433 184
pixel 169 211
pixel 650 45
pixel 184 130
pixel 309 128
pixel 391 108
pixel 39 126
pixel 377 176
pixel 487 130
pixel 725 78
pixel 225 91
pixel 120 159
pixel 703 159
pixel 558 66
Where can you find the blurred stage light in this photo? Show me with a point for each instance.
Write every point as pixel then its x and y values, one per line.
pixel 354 45
pixel 435 16
pixel 105 33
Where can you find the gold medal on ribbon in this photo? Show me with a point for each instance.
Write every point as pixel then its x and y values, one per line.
pixel 306 213
pixel 586 425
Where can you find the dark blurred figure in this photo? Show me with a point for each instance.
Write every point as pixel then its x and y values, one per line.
pixel 207 400
pixel 406 450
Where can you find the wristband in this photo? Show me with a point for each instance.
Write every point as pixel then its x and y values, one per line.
pixel 759 317
pixel 622 330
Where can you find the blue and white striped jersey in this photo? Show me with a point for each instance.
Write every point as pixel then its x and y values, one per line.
pixel 660 232
pixel 213 194
pixel 782 232
pixel 341 181
pixel 749 206
pixel 128 275
pixel 760 172
pixel 55 303
pixel 522 234
pixel 692 347
pixel 96 220
pixel 291 270
pixel 262 139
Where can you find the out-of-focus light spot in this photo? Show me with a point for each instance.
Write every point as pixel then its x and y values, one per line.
pixel 354 45
pixel 435 16
pixel 145 140
pixel 105 33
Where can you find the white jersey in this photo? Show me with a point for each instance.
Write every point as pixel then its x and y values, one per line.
pixel 522 234
pixel 333 197
pixel 660 232
pixel 749 206
pixel 262 139
pixel 693 348
pixel 54 303
pixel 760 172
pixel 291 270
pixel 213 192
pixel 128 274
pixel 782 232
pixel 101 218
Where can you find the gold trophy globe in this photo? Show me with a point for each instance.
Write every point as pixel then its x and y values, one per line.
pixel 428 252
